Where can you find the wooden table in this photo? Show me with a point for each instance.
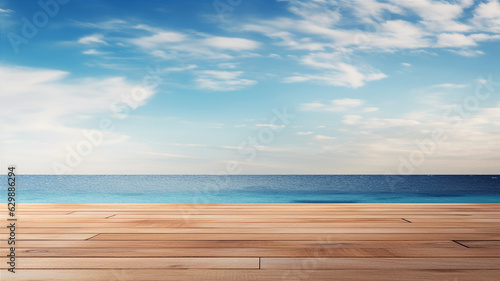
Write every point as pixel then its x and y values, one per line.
pixel 447 242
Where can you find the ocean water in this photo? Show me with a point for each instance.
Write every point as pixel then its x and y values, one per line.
pixel 255 189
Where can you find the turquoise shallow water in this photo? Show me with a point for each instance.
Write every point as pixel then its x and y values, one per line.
pixel 255 189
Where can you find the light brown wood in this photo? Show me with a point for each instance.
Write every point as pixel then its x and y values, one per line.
pixel 330 237
pixel 381 263
pixel 251 275
pixel 255 242
pixel 144 263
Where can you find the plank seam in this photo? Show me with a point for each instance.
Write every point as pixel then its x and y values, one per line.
pixel 92 237
pixel 463 245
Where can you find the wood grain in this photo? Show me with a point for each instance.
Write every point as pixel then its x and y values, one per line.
pixel 255 242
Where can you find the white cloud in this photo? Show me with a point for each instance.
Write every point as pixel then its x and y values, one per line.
pixel 316 12
pixel 272 126
pixel 159 39
pixel 394 35
pixel 406 64
pixel 164 155
pixel 222 75
pixel 229 65
pixel 370 109
pixel 169 44
pixel 53 95
pixel 216 80
pixel 377 123
pixel 455 40
pixel 336 73
pixel 236 44
pixel 92 39
pixel 372 10
pixel 190 43
pixel 323 138
pixel 351 119
pixel 450 86
pixel 179 69
pixel 93 52
pixel 337 105
pixel 442 26
pixel 304 133
pixel 163 55
pixel 43 110
pixel 438 15
pixel 487 16
pixel 468 53
pixel 334 105
pixel 113 24
pixel 484 37
pixel 6 11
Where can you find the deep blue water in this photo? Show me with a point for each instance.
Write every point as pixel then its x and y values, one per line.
pixel 255 189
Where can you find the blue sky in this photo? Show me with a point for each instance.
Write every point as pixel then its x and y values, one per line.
pixel 250 87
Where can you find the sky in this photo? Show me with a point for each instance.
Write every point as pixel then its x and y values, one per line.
pixel 250 87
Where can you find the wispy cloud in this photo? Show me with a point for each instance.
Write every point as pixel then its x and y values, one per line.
pixel 336 72
pixel 236 44
pixel 487 16
pixel 324 138
pixel 168 44
pixel 217 80
pixel 450 86
pixel 333 105
pixel 378 123
pixel 468 53
pixel 159 39
pixel 6 11
pixel 165 155
pixel 93 52
pixel 52 110
pixel 92 39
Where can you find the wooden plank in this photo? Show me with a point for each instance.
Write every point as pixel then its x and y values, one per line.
pixel 111 221
pixel 418 217
pixel 239 243
pixel 71 236
pixel 288 230
pixel 261 275
pixel 143 263
pixel 481 244
pixel 238 224
pixel 318 251
pixel 152 252
pixel 381 263
pixel 299 236
pixel 223 224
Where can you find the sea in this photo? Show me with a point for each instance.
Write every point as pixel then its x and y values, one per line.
pixel 254 189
